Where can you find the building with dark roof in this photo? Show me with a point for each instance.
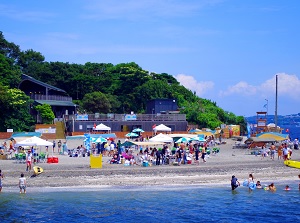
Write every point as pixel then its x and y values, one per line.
pixel 43 93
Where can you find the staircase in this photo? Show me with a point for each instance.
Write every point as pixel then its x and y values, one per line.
pixel 60 130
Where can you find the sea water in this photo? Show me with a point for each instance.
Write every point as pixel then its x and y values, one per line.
pixel 151 204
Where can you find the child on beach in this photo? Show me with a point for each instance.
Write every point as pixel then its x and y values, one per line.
pixel 22 183
pixel 1 177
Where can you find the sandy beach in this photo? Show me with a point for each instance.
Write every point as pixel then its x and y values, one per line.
pixel 76 172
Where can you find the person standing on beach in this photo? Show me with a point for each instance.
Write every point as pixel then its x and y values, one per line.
pixel 197 151
pixel 53 146
pixel 273 150
pixel 279 152
pixel 203 153
pixel 28 160
pixel 22 183
pixel 59 146
pixel 1 177
pixel 285 152
pixel 234 183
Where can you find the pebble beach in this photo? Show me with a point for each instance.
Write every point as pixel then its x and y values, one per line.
pixel 76 172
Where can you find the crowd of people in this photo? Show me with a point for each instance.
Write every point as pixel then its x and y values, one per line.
pixel 180 154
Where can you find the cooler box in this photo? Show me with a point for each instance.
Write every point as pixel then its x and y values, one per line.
pixel 145 164
pixel 54 159
pixel 189 162
pixel 50 160
pixel 95 161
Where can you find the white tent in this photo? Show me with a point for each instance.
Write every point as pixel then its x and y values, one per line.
pixel 34 141
pixel 161 138
pixel 102 127
pixel 162 128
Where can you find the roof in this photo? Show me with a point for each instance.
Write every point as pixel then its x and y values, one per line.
pixel 26 134
pixel 26 77
pixel 55 103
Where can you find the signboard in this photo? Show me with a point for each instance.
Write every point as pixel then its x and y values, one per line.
pixel 83 117
pixel 130 117
pixel 49 130
pixel 10 130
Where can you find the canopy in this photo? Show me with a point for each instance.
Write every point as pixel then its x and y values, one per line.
pixel 273 135
pixel 102 127
pixel 161 138
pixel 34 141
pixel 162 128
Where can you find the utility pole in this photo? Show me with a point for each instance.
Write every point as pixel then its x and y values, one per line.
pixel 276 102
pixel 267 109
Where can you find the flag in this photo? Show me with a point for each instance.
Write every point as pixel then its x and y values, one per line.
pixel 153 126
pixel 266 105
pixel 287 130
pixel 94 125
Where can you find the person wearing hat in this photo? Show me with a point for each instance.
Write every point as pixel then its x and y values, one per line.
pixel 28 160
pixel 234 182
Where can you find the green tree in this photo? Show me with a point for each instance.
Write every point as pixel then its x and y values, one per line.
pixel 15 107
pixel 10 74
pixel 46 113
pixel 96 102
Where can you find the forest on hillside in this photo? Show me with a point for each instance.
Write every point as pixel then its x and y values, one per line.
pixel 97 87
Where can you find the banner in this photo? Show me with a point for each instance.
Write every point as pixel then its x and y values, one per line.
pixel 130 117
pixel 83 117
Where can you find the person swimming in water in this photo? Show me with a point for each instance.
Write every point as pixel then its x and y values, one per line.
pixel 258 185
pixel 287 187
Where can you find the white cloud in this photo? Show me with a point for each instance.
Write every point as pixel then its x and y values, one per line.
pixel 201 88
pixel 288 85
pixel 241 88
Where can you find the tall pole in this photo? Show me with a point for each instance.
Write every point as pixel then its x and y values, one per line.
pixel 276 102
pixel 267 109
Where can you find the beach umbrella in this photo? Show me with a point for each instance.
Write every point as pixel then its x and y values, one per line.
pixel 127 144
pixel 138 130
pixel 100 140
pixel 198 138
pixel 183 139
pixel 131 134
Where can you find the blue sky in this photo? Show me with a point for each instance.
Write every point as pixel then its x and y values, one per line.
pixel 228 51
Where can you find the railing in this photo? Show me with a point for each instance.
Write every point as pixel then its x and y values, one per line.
pixel 124 117
pixel 50 97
